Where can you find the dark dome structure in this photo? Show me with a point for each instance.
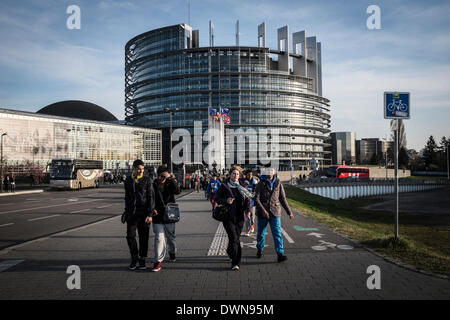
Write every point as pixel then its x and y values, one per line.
pixel 78 109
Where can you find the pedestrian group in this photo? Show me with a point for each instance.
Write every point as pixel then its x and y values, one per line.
pixel 246 198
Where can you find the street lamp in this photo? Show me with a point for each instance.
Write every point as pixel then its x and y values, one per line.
pixel 448 171
pixel 290 148
pixel 385 165
pixel 170 117
pixel 1 160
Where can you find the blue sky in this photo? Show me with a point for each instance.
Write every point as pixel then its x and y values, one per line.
pixel 42 62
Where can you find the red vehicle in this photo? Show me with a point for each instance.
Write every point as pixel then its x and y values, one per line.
pixel 341 172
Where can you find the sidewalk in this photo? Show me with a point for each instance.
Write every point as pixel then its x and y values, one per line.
pixel 100 250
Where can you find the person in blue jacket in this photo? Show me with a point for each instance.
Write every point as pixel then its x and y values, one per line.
pixel 212 188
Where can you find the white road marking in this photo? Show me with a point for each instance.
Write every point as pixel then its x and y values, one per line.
pixel 315 234
pixel 7 224
pixel 20 245
pixel 109 205
pixel 55 205
pixel 5 265
pixel 47 217
pixel 219 243
pixel 288 238
pixel 80 211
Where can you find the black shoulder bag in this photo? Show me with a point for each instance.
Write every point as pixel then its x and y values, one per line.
pixel 172 212
pixel 221 212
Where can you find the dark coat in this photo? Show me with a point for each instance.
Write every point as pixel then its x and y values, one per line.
pixel 170 189
pixel 271 200
pixel 225 192
pixel 142 194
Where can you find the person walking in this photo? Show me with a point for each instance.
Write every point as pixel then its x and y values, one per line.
pixel 234 194
pixel 269 199
pixel 211 190
pixel 166 187
pixel 13 183
pixel 6 182
pixel 250 219
pixel 197 184
pixel 139 206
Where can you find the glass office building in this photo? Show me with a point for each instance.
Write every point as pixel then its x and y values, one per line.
pixel 35 139
pixel 166 71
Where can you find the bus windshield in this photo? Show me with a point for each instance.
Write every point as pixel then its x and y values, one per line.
pixel 331 172
pixel 60 169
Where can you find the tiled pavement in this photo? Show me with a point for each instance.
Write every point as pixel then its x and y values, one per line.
pixel 335 269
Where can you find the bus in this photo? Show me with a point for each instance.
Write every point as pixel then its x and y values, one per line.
pixel 342 172
pixel 75 173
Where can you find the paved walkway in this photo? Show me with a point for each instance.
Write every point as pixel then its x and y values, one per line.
pixel 321 265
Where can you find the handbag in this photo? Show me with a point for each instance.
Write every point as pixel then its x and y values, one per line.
pixel 221 213
pixel 172 212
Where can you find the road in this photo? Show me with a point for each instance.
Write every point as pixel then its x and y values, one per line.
pixel 31 216
pixel 321 264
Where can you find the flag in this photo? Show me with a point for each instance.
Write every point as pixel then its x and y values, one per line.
pixel 226 119
pixel 224 111
pixel 212 112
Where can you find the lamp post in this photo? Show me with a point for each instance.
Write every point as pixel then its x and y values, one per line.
pixel 1 160
pixel 170 119
pixel 448 171
pixel 385 165
pixel 290 149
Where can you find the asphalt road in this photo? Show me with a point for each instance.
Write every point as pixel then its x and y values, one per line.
pixel 31 216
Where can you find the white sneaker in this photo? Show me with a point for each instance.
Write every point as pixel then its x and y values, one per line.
pixel 236 267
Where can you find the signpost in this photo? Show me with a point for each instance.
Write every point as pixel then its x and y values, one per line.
pixel 396 106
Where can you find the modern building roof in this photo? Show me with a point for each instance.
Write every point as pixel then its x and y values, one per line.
pixel 78 109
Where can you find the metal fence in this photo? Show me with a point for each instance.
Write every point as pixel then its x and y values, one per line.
pixel 342 189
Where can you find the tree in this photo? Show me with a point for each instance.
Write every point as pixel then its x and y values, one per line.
pixel 401 135
pixel 429 153
pixel 403 159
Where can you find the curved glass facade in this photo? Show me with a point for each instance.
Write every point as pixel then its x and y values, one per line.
pixel 165 70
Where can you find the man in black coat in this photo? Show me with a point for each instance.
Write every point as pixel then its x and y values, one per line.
pixel 139 206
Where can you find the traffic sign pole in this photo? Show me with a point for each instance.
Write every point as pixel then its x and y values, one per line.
pixel 396 106
pixel 396 179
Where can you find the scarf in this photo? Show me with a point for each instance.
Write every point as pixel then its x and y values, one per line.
pixel 137 178
pixel 243 191
pixel 271 183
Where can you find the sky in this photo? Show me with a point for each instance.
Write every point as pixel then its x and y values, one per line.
pixel 42 61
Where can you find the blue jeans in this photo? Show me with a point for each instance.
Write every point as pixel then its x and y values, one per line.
pixel 275 226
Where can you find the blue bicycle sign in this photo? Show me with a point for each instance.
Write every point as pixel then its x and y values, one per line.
pixel 396 105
